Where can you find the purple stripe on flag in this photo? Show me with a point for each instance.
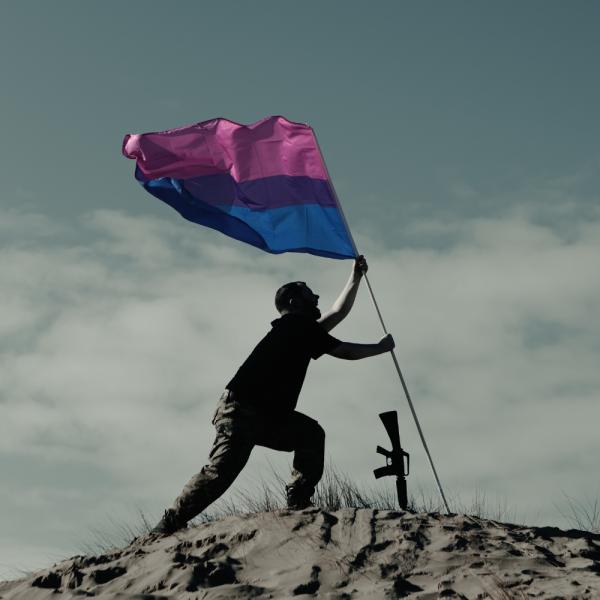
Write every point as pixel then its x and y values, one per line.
pixel 259 194
pixel 270 147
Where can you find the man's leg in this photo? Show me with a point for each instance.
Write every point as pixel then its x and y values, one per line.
pixel 228 456
pixel 306 438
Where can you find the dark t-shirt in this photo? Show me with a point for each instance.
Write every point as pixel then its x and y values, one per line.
pixel 271 378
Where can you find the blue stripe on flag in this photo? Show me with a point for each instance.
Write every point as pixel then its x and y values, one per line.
pixel 307 227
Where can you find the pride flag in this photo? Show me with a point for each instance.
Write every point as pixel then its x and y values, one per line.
pixel 265 184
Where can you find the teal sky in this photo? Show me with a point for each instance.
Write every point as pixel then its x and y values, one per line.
pixel 462 138
pixel 405 96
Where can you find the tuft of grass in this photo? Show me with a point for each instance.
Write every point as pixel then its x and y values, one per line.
pixel 483 507
pixel 116 534
pixel 582 514
pixel 337 490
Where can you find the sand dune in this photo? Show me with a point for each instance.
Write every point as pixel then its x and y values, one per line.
pixel 346 554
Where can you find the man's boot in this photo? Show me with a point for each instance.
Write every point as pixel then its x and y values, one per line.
pixel 296 500
pixel 170 523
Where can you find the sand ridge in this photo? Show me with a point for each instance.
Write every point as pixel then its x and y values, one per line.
pixel 339 555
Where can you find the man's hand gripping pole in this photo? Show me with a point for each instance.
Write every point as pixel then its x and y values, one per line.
pixel 394 458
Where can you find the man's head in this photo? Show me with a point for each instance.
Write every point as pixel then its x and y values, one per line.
pixel 297 298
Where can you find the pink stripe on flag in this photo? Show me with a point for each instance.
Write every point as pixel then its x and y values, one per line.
pixel 271 146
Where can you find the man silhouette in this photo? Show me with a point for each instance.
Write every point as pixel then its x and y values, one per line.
pixel 258 405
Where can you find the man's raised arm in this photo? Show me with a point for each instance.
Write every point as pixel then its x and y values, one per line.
pixel 341 307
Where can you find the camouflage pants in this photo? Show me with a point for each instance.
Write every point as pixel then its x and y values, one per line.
pixel 239 429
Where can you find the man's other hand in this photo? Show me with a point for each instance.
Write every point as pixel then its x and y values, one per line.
pixel 387 343
pixel 360 266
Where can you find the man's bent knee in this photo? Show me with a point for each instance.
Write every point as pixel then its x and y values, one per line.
pixel 319 433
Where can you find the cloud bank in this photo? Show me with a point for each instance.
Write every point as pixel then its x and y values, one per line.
pixel 120 332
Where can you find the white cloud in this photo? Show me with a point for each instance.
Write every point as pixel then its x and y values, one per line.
pixel 115 353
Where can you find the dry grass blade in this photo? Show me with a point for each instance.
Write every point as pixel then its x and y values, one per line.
pixel 583 514
pixel 116 535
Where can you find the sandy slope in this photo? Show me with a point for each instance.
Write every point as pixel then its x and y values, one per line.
pixel 350 553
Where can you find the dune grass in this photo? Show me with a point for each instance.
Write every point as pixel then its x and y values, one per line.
pixel 335 491
pixel 582 514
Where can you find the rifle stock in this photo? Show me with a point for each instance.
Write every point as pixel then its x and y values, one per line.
pixel 390 422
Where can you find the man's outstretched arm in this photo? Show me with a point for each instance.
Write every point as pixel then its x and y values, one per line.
pixel 350 351
pixel 341 307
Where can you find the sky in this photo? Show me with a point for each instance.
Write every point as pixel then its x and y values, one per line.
pixel 462 139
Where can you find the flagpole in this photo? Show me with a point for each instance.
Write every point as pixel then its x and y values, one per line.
pixel 396 364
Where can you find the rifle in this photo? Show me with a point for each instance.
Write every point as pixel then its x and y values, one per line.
pixel 394 458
